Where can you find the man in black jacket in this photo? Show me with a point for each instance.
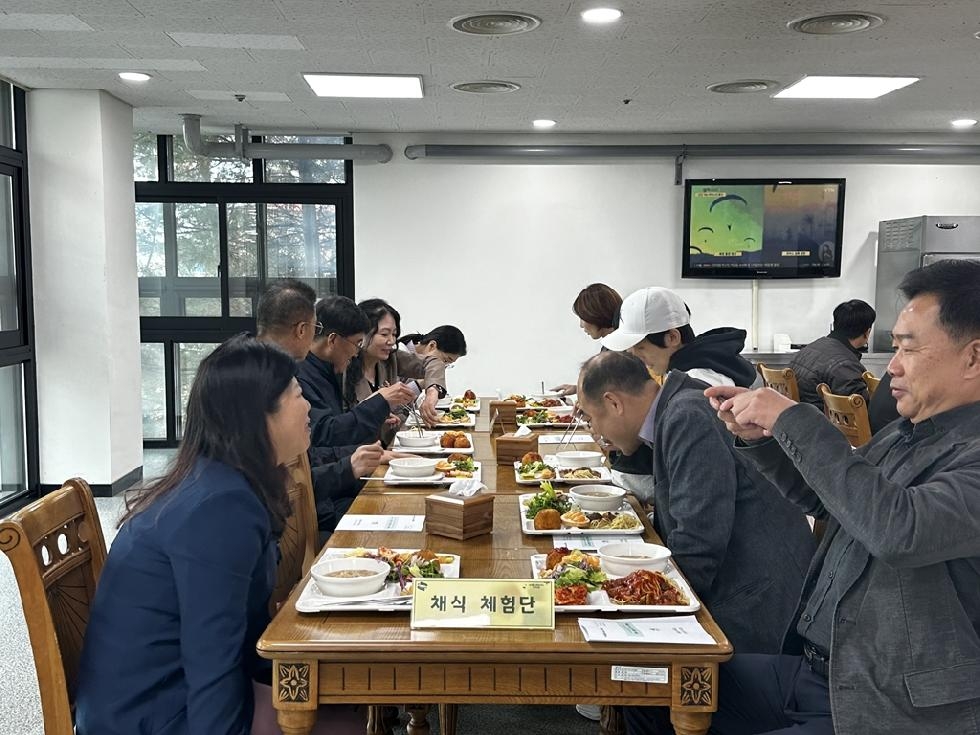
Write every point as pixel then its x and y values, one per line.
pixel 836 358
pixel 654 325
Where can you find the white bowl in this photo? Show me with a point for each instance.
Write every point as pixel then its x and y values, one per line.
pixel 375 572
pixel 595 498
pixel 624 558
pixel 412 438
pixel 575 459
pixel 414 466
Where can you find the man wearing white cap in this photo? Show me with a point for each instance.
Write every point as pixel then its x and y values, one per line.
pixel 654 325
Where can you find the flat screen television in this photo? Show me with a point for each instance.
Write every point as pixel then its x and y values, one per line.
pixel 763 228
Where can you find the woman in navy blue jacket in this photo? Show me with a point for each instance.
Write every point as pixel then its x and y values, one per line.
pixel 183 596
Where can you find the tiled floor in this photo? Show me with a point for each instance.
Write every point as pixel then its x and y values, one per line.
pixel 20 707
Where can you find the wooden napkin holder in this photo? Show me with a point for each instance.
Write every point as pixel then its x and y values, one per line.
pixel 506 416
pixel 510 448
pixel 459 518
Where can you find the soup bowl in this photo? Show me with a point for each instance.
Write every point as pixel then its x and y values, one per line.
pixel 350 576
pixel 624 558
pixel 597 498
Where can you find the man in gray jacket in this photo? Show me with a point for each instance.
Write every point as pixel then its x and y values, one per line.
pixel 887 638
pixel 743 548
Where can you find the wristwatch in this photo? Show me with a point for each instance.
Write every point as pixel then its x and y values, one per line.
pixel 439 390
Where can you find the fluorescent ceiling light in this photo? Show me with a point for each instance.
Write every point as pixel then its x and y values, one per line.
pixel 365 85
pixel 133 76
pixel 845 88
pixel 544 123
pixel 966 122
pixel 601 15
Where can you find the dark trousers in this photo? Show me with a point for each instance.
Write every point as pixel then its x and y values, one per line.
pixel 757 694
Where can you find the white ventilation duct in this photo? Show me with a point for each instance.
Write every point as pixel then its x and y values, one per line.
pixel 244 148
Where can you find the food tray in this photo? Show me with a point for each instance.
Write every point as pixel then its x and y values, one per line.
pixel 599 601
pixel 445 403
pixel 387 599
pixel 521 481
pixel 605 476
pixel 527 524
pixel 432 449
pixel 390 478
pixel 468 423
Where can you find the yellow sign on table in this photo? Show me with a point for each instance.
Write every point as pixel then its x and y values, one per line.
pixel 483 603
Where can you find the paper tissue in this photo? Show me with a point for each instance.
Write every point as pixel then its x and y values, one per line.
pixel 463 511
pixel 511 447
pixel 781 343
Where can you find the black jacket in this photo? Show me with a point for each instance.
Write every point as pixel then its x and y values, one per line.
pixel 335 435
pixel 718 350
pixel 829 360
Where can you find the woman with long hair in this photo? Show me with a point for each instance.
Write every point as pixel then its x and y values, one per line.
pixel 381 363
pixel 183 597
pixel 597 308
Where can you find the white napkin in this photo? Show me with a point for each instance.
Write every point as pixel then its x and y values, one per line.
pixel 466 488
pixel 523 431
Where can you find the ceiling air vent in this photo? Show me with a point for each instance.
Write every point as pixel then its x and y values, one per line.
pixel 488 86
pixel 743 86
pixel 501 23
pixel 834 24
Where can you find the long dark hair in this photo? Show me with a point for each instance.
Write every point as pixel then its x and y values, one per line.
pixel 375 310
pixel 448 338
pixel 236 388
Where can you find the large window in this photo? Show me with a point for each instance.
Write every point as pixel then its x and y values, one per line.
pixel 210 234
pixel 18 384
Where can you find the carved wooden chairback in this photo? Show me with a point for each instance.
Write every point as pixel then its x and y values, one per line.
pixel 847 413
pixel 780 379
pixel 298 544
pixel 56 548
pixel 871 380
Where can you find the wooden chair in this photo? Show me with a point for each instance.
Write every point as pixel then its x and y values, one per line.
pixel 782 380
pixel 298 543
pixel 56 548
pixel 871 380
pixel 847 413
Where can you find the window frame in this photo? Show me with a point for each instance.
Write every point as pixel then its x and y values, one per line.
pixel 173 330
pixel 17 347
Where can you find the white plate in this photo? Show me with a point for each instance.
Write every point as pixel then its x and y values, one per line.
pixel 439 478
pixel 445 403
pixel 599 601
pixel 527 524
pixel 548 425
pixel 386 599
pixel 432 448
pixel 522 481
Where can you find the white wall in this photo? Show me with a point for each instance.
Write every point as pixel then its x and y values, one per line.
pixel 85 288
pixel 502 249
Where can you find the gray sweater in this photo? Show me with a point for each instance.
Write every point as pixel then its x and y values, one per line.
pixel 904 531
pixel 742 546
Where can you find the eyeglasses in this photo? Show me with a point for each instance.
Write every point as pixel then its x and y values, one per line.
pixel 317 327
pixel 356 345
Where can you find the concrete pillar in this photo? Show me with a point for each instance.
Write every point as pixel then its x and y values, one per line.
pixel 86 305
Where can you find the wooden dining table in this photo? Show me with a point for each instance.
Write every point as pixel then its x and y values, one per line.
pixel 377 658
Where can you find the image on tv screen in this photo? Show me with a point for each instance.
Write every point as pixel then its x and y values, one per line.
pixel 775 228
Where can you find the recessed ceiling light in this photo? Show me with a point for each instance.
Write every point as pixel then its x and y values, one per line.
pixel 487 86
pixel 835 24
pixel 743 86
pixel 133 76
pixel 365 85
pixel 965 122
pixel 495 24
pixel 542 124
pixel 601 15
pixel 844 88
